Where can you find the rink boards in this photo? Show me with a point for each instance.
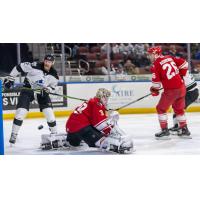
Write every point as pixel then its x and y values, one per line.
pixel 122 93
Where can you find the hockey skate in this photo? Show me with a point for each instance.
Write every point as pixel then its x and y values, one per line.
pixel 184 133
pixel 163 135
pixel 174 130
pixel 13 138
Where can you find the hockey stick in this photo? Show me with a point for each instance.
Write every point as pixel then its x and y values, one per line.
pixel 55 94
pixel 66 96
pixel 133 101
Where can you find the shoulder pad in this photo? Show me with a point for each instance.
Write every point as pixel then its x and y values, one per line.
pixel 54 73
pixel 34 64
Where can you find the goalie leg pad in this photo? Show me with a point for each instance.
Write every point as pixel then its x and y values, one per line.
pixel 117 141
pixel 53 141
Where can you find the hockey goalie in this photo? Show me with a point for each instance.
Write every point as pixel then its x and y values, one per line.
pixel 92 124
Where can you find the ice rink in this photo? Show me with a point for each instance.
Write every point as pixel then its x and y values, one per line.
pixel 141 126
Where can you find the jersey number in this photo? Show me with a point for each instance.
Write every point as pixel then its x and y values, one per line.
pixel 172 69
pixel 81 108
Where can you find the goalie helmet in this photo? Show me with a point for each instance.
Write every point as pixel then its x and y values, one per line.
pixel 103 94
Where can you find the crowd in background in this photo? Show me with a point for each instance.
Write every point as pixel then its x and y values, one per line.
pixel 125 58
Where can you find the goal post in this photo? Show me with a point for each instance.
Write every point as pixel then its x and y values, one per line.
pixel 1 122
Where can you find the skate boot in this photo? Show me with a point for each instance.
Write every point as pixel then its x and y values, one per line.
pixel 13 138
pixel 184 133
pixel 174 130
pixel 163 135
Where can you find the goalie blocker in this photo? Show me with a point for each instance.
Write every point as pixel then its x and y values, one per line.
pixel 90 123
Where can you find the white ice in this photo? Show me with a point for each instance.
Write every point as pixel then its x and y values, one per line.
pixel 141 126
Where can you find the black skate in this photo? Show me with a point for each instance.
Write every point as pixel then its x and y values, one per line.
pixel 174 130
pixel 184 133
pixel 163 135
pixel 13 138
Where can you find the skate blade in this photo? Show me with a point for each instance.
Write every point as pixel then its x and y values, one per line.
pixel 185 136
pixel 163 138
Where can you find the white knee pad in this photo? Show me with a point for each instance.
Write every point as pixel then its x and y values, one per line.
pixel 49 114
pixel 21 113
pixel 51 120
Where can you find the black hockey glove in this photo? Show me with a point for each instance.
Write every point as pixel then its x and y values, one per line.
pixel 45 91
pixel 8 83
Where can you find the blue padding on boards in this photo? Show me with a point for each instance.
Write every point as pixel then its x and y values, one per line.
pixel 1 123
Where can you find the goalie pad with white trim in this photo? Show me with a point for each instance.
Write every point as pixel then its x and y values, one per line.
pixel 117 141
pixel 53 141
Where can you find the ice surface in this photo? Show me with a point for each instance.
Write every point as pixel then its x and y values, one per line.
pixel 141 126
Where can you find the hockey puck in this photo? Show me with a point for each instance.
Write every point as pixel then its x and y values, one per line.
pixel 40 127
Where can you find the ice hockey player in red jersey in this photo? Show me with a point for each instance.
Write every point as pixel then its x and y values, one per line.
pixel 91 123
pixel 91 113
pixel 167 72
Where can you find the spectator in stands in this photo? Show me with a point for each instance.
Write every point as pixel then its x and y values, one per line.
pixel 130 68
pixel 196 69
pixel 115 48
pixel 173 52
pixel 104 48
pixel 197 54
pixel 139 50
pixel 118 70
pixel 103 70
pixel 126 48
pixel 75 51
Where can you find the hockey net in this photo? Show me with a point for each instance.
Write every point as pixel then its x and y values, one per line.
pixel 1 123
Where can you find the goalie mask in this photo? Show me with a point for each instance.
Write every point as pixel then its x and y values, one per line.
pixel 103 94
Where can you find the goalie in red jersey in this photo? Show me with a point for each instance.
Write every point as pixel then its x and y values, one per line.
pixel 167 72
pixel 90 123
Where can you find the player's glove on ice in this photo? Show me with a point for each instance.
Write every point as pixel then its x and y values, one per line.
pixel 154 91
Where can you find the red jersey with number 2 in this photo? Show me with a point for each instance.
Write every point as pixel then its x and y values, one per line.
pixel 168 71
pixel 92 112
